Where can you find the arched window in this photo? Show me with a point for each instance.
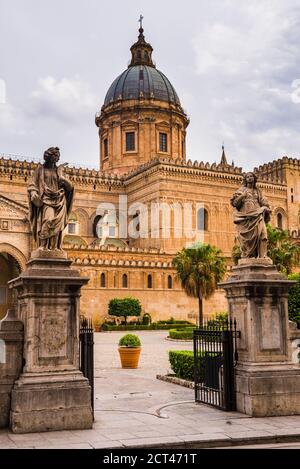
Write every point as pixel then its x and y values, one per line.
pixel 102 280
pixel 169 282
pixel 279 221
pixel 136 219
pixel 72 223
pixel 149 281
pixel 97 227
pixel 125 281
pixel 202 219
pixel 72 227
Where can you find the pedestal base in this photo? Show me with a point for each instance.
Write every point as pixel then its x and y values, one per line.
pixel 267 390
pixel 47 402
pixel 267 383
pixel 51 393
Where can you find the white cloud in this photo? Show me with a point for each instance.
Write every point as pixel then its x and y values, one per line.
pixel 247 61
pixel 65 99
pixel 7 116
pixel 232 62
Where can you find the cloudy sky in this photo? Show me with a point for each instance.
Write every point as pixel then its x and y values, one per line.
pixel 234 64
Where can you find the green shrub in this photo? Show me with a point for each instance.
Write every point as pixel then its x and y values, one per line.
pixel 129 340
pixel 219 317
pixel 142 327
pixel 294 300
pixel 124 307
pixel 173 321
pixel 182 363
pixel 127 327
pixel 184 334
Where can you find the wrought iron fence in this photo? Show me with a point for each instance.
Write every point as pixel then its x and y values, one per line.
pixel 86 352
pixel 214 359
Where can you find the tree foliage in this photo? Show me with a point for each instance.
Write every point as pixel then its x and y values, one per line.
pixel 294 300
pixel 281 249
pixel 124 307
pixel 283 252
pixel 199 269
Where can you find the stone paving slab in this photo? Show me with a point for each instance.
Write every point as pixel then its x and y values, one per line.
pixel 134 409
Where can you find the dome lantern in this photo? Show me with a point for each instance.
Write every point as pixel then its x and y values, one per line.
pixel 141 50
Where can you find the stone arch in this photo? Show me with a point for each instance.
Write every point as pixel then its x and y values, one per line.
pixel 15 253
pixel 83 219
pixel 280 218
pixel 12 262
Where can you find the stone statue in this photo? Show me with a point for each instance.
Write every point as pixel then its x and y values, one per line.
pixel 50 201
pixel 252 214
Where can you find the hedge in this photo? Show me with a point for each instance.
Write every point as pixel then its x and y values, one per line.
pixel 182 363
pixel 173 321
pixel 184 334
pixel 294 300
pixel 142 327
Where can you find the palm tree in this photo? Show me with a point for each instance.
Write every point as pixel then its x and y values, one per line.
pixel 199 269
pixel 283 252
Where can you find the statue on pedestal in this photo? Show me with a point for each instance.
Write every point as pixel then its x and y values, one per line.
pixel 252 214
pixel 50 201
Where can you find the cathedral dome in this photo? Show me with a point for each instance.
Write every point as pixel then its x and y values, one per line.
pixel 141 117
pixel 141 81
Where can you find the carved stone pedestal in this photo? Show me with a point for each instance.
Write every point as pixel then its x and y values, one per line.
pixel 51 393
pixel 267 382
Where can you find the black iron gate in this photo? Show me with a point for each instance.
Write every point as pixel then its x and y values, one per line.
pixel 86 352
pixel 214 358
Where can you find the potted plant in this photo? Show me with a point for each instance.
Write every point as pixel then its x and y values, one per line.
pixel 129 350
pixel 97 324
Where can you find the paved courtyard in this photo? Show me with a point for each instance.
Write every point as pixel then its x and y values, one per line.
pixel 133 409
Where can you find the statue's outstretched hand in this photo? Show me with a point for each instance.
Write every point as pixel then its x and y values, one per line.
pixel 267 214
pixel 36 200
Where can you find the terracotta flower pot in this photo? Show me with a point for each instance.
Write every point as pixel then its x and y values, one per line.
pixel 129 356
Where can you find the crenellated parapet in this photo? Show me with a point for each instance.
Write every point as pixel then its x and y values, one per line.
pixel 276 169
pixel 180 166
pixel 22 169
pixel 211 171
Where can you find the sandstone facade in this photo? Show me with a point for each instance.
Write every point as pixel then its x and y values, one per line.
pixel 142 131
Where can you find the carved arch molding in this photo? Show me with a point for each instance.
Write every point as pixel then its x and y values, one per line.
pixel 14 252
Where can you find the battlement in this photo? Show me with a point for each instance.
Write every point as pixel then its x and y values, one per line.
pixel 182 165
pixel 212 170
pixel 17 168
pixel 276 169
pixel 272 172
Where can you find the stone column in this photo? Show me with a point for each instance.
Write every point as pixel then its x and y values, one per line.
pixel 267 382
pixel 51 393
pixel 11 355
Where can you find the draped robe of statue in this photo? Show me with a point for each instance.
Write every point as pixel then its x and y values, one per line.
pixel 56 194
pixel 251 217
